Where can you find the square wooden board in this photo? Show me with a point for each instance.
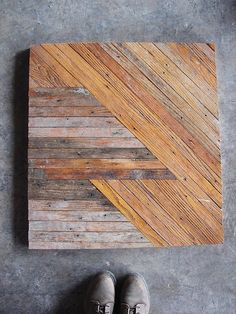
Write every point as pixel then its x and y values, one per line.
pixel 124 146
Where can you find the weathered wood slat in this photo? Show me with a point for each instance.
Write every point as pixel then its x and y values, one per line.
pixel 75 226
pixel 109 174
pixel 84 142
pixel 79 132
pixel 91 153
pixel 75 215
pixel 124 236
pixel 37 193
pixel 86 205
pixel 85 122
pixel 42 189
pixel 87 245
pixel 86 111
pixel 61 97
pixel 96 164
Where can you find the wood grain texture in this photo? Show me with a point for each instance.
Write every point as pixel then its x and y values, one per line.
pixel 124 146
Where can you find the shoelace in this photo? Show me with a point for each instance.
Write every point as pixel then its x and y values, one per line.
pixel 102 309
pixel 135 310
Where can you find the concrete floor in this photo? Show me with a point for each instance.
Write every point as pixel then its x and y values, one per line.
pixel 181 280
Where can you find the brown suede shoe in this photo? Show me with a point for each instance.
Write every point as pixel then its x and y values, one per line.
pixel 135 297
pixel 101 294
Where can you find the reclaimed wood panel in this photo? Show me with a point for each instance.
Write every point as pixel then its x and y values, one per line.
pixel 124 146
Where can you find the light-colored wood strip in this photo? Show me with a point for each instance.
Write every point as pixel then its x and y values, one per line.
pixel 200 50
pixel 194 203
pixel 84 142
pixel 63 236
pixel 199 222
pixel 40 75
pixel 108 173
pixel 191 69
pixel 171 101
pixel 130 213
pixel 102 91
pixel 91 153
pixel 67 215
pixel 38 94
pixel 80 132
pixel 156 217
pixel 86 122
pixel 75 226
pixel 88 111
pixel 174 78
pixel 78 205
pixel 86 245
pixel 53 68
pixel 95 164
pixel 206 100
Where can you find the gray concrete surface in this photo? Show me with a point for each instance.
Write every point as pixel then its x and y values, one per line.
pixel 181 280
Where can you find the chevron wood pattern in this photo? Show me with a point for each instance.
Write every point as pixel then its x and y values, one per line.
pixel 124 146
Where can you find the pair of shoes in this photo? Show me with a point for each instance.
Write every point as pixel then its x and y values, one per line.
pixel 134 298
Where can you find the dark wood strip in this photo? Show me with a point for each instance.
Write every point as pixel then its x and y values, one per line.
pixel 89 142
pixel 93 164
pixel 62 185
pixel 70 111
pixel 86 205
pixel 109 174
pixel 41 189
pixel 92 153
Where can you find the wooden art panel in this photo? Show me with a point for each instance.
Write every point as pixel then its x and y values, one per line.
pixel 124 146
